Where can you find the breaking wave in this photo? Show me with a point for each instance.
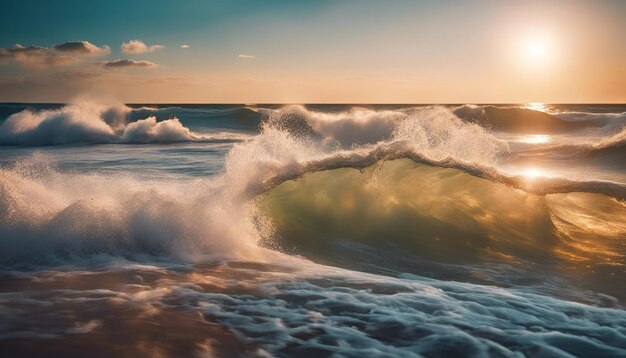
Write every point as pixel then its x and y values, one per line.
pixel 92 123
pixel 417 198
pixel 617 140
pixel 63 216
pixel 395 211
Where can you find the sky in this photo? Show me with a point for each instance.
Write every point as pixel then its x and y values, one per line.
pixel 192 51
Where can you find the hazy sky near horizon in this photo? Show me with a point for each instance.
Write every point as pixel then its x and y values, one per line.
pixel 314 51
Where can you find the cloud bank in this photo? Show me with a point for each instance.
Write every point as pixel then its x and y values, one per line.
pixel 184 46
pixel 126 63
pixel 138 47
pixel 247 57
pixel 61 54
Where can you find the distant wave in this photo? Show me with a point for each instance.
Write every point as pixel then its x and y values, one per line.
pixel 234 112
pixel 93 123
pixel 525 120
pixel 600 118
pixel 610 150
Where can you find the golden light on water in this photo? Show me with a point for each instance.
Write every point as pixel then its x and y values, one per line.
pixel 532 172
pixel 535 139
pixel 537 106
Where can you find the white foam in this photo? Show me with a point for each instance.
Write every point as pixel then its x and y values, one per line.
pixel 52 216
pixel 90 123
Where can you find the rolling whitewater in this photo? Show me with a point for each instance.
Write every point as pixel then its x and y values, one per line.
pixel 292 230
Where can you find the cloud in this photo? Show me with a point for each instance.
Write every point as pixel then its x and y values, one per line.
pixel 138 47
pixel 82 47
pixel 247 57
pixel 184 46
pixel 62 54
pixel 126 63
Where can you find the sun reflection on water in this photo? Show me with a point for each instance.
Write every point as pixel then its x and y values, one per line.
pixel 535 139
pixel 532 172
pixel 537 106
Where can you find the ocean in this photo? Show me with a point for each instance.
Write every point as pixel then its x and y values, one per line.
pixel 312 230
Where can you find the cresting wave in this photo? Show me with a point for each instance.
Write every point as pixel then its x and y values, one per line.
pixel 66 217
pixel 93 123
pixel 393 214
pixel 88 215
pixel 616 140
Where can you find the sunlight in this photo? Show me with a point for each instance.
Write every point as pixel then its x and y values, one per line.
pixel 535 139
pixel 532 172
pixel 538 49
pixel 537 106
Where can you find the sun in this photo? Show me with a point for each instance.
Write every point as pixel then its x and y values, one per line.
pixel 537 49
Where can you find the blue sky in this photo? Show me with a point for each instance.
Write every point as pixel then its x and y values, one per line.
pixel 317 51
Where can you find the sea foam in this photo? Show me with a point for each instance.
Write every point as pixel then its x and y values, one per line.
pixel 90 123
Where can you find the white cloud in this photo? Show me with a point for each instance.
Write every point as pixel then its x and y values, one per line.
pixel 138 47
pixel 61 54
pixel 126 63
pixel 184 46
pixel 247 57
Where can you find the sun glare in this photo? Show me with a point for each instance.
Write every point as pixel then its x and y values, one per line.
pixel 537 106
pixel 532 172
pixel 535 139
pixel 537 50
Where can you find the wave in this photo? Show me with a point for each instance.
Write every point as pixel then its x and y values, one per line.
pixel 64 216
pixel 92 123
pixel 246 115
pixel 600 118
pixel 525 120
pixel 402 216
pixel 609 151
pixel 617 140
pixel 48 217
pixel 406 198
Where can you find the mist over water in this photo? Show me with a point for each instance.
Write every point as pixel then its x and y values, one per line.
pixel 294 230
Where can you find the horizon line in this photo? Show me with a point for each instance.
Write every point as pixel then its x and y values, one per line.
pixel 338 103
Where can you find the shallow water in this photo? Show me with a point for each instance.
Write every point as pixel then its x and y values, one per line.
pixel 311 231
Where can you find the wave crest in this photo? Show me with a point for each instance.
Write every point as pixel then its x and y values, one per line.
pixel 90 123
pixel 48 217
pixel 100 213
